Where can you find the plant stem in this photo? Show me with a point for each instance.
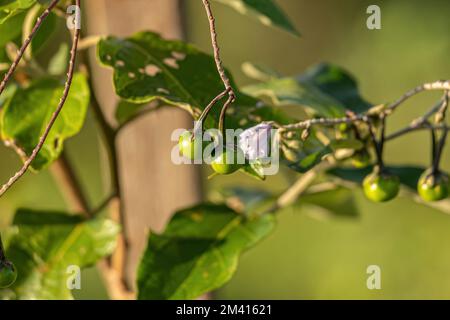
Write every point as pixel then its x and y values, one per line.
pixel 64 174
pixel 2 251
pixel 226 81
pixel 118 260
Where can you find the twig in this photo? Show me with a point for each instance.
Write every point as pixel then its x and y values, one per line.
pixel 118 261
pixel 73 54
pixel 103 205
pixel 226 81
pixel 290 195
pixel 443 138
pixel 326 122
pixel 223 114
pixel 64 174
pixel 418 123
pixel 2 251
pixel 25 45
pixel 437 85
pixel 216 48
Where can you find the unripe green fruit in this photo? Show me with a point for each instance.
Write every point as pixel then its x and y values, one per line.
pixel 8 274
pixel 433 187
pixel 381 187
pixel 361 159
pixel 189 147
pixel 227 162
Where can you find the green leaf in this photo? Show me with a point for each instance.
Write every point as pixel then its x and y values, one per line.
pixel 27 114
pixel 255 169
pixel 127 110
pixel 329 201
pixel 324 90
pixel 58 63
pixel 11 29
pixel 259 72
pixel 311 154
pixel 266 11
pixel 336 83
pixel 289 92
pixel 47 243
pixel 336 202
pixel 148 68
pixel 198 252
pixel 10 8
pixel 45 32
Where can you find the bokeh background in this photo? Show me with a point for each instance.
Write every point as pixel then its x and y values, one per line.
pixel 309 257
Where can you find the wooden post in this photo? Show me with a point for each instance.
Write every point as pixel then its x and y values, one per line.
pixel 153 188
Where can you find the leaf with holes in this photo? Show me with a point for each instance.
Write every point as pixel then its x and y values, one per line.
pixel 198 252
pixel 266 11
pixel 148 68
pixel 29 110
pixel 46 244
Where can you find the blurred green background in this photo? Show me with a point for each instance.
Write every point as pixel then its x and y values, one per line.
pixel 307 257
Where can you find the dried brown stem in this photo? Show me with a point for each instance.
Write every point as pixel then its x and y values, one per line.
pixel 226 81
pixel 437 85
pixel 216 48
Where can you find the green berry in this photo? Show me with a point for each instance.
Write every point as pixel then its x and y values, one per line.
pixel 381 187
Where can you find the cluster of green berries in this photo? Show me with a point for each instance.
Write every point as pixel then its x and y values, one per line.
pixel 224 163
pixel 383 186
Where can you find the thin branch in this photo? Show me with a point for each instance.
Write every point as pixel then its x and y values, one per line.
pixel 291 194
pixel 25 45
pixel 409 129
pixel 119 259
pixel 64 174
pixel 2 251
pixel 443 139
pixel 216 48
pixel 103 205
pixel 416 124
pixel 73 54
pixel 226 81
pixel 437 85
pixel 223 114
pixel 326 122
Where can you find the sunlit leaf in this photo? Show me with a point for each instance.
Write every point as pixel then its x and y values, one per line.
pixel 266 11
pixel 198 252
pixel 148 68
pixel 10 8
pixel 324 90
pixel 46 244
pixel 28 112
